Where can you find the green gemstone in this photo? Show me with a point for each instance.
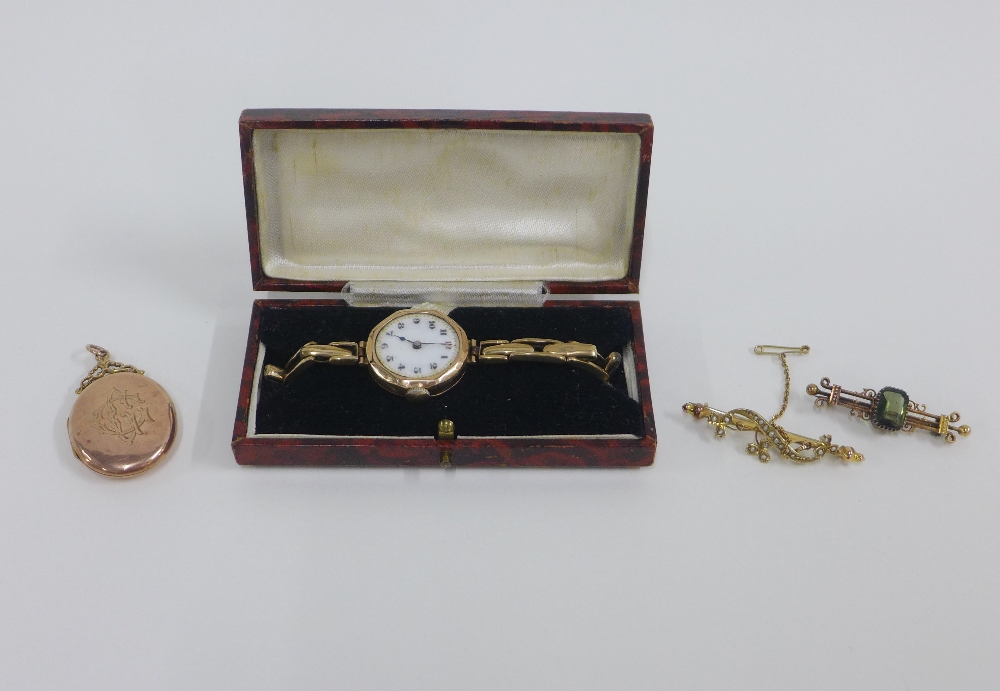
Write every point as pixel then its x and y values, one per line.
pixel 890 409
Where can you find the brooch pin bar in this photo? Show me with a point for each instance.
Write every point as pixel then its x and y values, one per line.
pixel 889 408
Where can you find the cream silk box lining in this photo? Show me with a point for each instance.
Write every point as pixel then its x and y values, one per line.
pixel 443 205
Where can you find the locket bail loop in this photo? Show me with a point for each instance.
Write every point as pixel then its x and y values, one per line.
pixel 98 352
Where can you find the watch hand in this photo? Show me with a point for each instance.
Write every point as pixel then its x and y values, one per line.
pixel 423 343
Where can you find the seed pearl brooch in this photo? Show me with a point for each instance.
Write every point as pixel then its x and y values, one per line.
pixel 767 433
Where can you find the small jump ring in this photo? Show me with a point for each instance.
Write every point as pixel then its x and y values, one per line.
pixel 98 352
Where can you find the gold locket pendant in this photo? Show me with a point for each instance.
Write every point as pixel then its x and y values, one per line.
pixel 123 422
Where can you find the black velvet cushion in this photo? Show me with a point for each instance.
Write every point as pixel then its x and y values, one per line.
pixel 511 399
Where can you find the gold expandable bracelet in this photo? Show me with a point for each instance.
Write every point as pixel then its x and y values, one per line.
pixel 418 353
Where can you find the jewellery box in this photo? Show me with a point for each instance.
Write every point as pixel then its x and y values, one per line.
pixel 442 239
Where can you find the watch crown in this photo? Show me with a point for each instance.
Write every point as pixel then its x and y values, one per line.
pixel 417 394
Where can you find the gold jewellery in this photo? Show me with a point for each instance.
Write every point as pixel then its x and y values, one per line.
pixel 768 433
pixel 419 353
pixel 889 408
pixel 123 422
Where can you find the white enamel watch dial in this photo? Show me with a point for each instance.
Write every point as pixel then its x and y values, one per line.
pixel 418 345
pixel 417 353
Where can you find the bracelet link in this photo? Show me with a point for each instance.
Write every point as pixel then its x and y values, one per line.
pixel 336 353
pixel 580 355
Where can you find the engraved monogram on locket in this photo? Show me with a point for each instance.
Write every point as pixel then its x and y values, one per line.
pixel 123 415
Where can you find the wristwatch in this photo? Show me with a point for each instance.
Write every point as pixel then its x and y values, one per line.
pixel 419 353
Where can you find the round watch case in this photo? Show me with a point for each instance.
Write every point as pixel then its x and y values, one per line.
pixel 409 385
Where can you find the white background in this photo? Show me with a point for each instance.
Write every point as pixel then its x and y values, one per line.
pixel 823 173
